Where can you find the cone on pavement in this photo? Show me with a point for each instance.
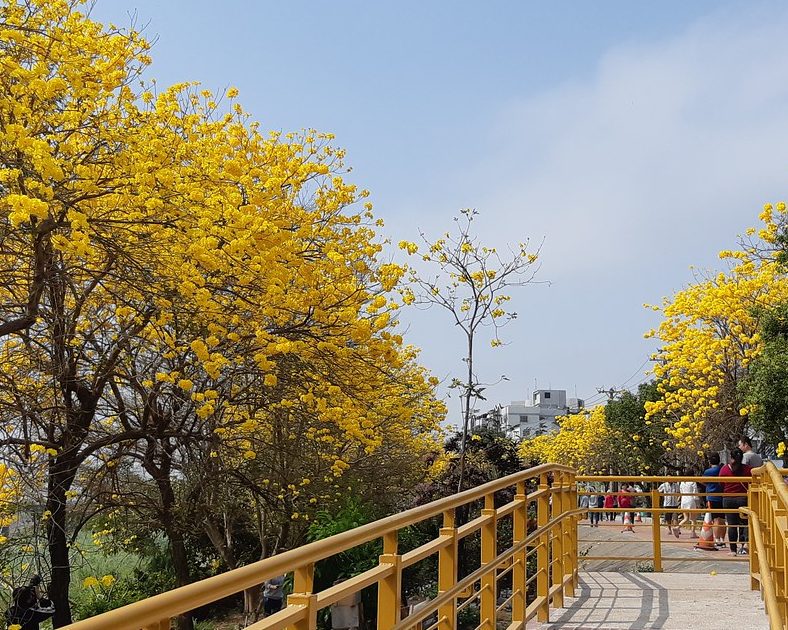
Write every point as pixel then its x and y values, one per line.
pixel 706 542
pixel 627 523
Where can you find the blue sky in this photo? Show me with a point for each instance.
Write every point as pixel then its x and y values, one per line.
pixel 635 139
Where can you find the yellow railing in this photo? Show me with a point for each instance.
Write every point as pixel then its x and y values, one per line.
pixel 540 509
pixel 542 517
pixel 767 538
pixel 768 516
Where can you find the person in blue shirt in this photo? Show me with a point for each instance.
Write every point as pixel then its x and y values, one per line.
pixel 714 498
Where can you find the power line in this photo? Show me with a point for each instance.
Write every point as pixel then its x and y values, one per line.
pixel 636 373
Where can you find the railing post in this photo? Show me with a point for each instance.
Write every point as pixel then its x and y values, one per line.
pixel 390 588
pixel 302 595
pixel 447 572
pixel 489 582
pixel 777 548
pixel 753 500
pixel 656 531
pixel 570 535
pixel 520 560
pixel 558 539
pixel 543 551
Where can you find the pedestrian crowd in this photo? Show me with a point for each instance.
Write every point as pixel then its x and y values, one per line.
pixel 683 500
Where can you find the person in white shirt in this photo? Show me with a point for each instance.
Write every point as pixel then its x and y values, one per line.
pixel 689 501
pixel 670 493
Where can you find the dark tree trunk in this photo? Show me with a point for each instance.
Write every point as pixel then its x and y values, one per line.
pixel 160 471
pixel 61 473
pixel 57 542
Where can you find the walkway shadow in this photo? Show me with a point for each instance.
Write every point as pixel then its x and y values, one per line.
pixel 625 601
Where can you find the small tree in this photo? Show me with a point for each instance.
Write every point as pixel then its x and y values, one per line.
pixel 641 442
pixel 470 283
pixel 765 387
pixel 583 441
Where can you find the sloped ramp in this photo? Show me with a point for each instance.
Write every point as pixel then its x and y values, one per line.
pixel 659 601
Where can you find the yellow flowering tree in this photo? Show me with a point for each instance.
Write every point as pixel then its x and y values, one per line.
pixel 708 339
pixel 765 385
pixel 9 492
pixel 177 280
pixel 583 441
pixel 470 282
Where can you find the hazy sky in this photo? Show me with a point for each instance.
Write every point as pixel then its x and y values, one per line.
pixel 635 139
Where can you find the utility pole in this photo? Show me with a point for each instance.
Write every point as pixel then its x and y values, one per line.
pixel 610 393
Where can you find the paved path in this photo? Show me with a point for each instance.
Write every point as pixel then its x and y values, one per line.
pixel 697 590
pixel 679 555
pixel 659 601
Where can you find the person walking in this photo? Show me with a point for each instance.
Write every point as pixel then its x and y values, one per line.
pixel 583 502
pixel 625 500
pixel 610 504
pixel 273 595
pixel 737 525
pixel 689 501
pixel 714 491
pixel 751 458
pixel 595 502
pixel 670 493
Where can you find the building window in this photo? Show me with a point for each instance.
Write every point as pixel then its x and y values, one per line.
pixel 547 394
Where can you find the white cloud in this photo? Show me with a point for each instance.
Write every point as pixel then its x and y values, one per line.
pixel 673 144
pixel 654 164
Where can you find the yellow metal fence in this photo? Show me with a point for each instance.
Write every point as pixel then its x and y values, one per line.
pixel 766 523
pixel 768 515
pixel 534 512
pixel 522 529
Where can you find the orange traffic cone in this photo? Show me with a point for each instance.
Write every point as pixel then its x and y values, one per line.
pixel 638 519
pixel 706 542
pixel 627 523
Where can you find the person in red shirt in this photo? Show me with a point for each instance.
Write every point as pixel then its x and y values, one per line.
pixel 737 524
pixel 625 500
pixel 610 503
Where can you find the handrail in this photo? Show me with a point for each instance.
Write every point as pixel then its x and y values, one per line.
pixel 656 478
pixel 767 521
pixel 655 508
pixel 768 510
pixel 769 592
pixel 303 603
pixel 421 615
pixel 543 530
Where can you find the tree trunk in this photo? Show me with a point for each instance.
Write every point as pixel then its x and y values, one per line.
pixel 470 387
pixel 182 574
pixel 57 542
pixel 170 524
pixel 222 542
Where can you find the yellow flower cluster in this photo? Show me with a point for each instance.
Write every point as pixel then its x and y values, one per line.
pixel 709 336
pixel 582 441
pixel 214 272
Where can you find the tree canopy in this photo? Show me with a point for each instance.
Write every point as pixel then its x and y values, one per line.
pixel 181 289
pixel 710 336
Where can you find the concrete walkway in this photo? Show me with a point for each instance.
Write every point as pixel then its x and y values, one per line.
pixel 695 591
pixel 678 554
pixel 659 601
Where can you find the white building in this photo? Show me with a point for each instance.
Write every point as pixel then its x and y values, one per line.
pixel 523 420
